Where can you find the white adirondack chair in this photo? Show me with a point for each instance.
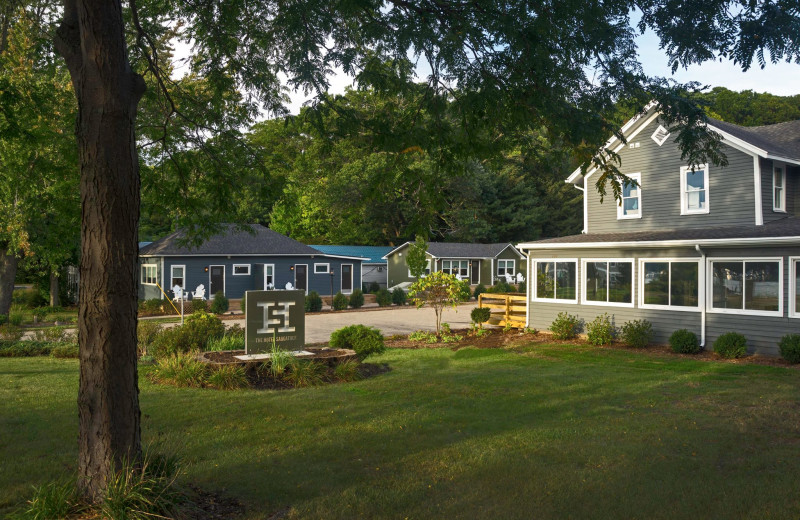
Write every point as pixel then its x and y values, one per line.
pixel 289 286
pixel 199 293
pixel 520 278
pixel 509 278
pixel 178 293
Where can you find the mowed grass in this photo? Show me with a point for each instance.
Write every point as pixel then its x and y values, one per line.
pixel 543 432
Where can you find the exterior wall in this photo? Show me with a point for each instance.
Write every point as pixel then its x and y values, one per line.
pixel 397 268
pixel 236 285
pixel 767 186
pixel 149 292
pixel 520 264
pixel 762 332
pixel 374 273
pixel 730 194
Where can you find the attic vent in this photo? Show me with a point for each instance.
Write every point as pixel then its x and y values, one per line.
pixel 660 135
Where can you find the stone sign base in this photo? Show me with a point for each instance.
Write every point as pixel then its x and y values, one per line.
pixel 260 357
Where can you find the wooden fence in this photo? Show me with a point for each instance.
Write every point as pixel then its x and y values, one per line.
pixel 505 308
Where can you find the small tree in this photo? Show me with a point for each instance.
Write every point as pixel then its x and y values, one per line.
pixel 439 289
pixel 416 258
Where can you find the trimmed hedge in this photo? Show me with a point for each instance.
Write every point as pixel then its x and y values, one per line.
pixel 364 340
pixel 399 296
pixel 356 299
pixel 790 348
pixel 383 298
pixel 731 345
pixel 313 302
pixel 684 341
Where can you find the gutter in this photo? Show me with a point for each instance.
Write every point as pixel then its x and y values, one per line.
pixel 703 303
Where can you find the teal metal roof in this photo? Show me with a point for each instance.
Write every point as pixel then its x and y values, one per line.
pixel 374 253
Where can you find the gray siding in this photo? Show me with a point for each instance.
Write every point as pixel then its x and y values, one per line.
pixel 762 332
pixel 731 192
pixel 767 186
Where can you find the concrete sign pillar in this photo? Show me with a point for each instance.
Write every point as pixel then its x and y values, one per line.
pixel 274 314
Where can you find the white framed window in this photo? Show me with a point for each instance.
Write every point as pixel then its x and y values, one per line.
pixel 746 286
pixel 427 269
pixel 505 267
pixel 608 281
pixel 556 280
pixel 669 282
pixel 660 135
pixel 779 187
pixel 456 267
pixel 177 276
pixel 794 286
pixel 149 274
pixel 694 189
pixel 322 268
pixel 241 269
pixel 269 276
pixel 631 204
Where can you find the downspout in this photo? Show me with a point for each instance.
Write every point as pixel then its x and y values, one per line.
pixel 703 301
pixel 528 291
pixel 491 273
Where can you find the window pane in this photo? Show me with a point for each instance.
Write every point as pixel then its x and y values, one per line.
pixel 566 280
pixel 656 281
pixel 762 286
pixel 596 281
pixel 727 285
pixel 545 280
pixel 684 289
pixel 630 190
pixel 695 180
pixel 620 282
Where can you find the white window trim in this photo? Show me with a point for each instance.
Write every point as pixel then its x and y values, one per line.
pixel 265 275
pixel 457 261
pixel 234 273
pixel 506 260
pixel 142 270
pixel 710 286
pixel 172 276
pixel 684 209
pixel 793 311
pixel 700 289
pixel 782 207
pixel 620 207
pixel 585 261
pixel 663 131
pixel 326 266
pixel 534 281
pixel 341 279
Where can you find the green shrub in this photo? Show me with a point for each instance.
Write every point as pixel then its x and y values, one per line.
pixel 220 304
pixel 225 343
pixel 146 333
pixel 502 287
pixel 243 303
pixel 65 350
pixel 339 302
pixel 465 291
pixel 790 348
pixel 480 315
pixel 565 326
pixel 29 298
pixel 637 333
pixel 153 307
pixel 373 288
pixel 39 314
pixel 3 319
pixel 478 290
pixel 731 345
pixel 54 335
pixel 522 288
pixel 347 371
pixel 684 341
pixel 302 373
pixel 356 300
pixel 25 348
pixel 182 369
pixel 364 340
pixel 198 329
pixel 383 298
pixel 399 296
pixel 600 331
pixel 15 318
pixel 228 377
pixel 313 302
pixel 11 332
pixel 279 360
pixel 198 305
pixel 423 335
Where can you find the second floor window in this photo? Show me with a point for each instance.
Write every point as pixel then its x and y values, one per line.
pixel 694 189
pixel 631 204
pixel 779 188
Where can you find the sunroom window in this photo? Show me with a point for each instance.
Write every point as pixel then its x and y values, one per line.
pixel 609 282
pixel 746 286
pixel 670 283
pixel 556 280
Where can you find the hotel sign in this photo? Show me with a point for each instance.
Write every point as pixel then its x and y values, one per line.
pixel 278 315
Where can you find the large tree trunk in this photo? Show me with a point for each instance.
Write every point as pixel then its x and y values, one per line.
pixel 8 273
pixel 91 39
pixel 55 300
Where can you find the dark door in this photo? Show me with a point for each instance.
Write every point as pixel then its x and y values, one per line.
pixel 301 277
pixel 475 272
pixel 347 278
pixel 216 280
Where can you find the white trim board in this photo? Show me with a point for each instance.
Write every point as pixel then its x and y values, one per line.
pixel 710 242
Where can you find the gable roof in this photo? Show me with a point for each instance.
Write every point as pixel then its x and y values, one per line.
pixel 782 231
pixel 462 250
pixel 231 241
pixel 780 141
pixel 371 254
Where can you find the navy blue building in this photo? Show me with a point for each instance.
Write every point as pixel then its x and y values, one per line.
pixel 235 261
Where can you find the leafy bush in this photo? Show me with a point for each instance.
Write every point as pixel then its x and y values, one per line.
pixel 146 333
pixel 313 302
pixel 684 341
pixel 423 335
pixel 153 307
pixel 373 288
pixel 194 334
pixel 29 298
pixel 522 288
pixel 228 377
pixel 347 371
pixel 447 336
pixel 502 287
pixel 220 304
pixel 790 348
pixel 11 332
pixel 3 319
pixel 65 350
pixel 54 335
pixel 600 331
pixel 356 300
pixel 731 345
pixel 480 315
pixel 465 291
pixel 565 326
pixel 226 342
pixel 478 290
pixel 364 340
pixel 302 373
pixel 25 348
pixel 637 333
pixel 15 318
pixel 243 303
pixel 39 314
pixel 399 296
pixel 339 302
pixel 383 298
pixel 198 305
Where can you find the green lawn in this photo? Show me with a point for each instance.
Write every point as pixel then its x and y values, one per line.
pixel 546 432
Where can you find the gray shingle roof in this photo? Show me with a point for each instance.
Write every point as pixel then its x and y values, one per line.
pixel 231 241
pixel 782 139
pixel 462 250
pixel 787 227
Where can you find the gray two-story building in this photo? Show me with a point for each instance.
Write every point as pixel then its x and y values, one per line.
pixel 699 247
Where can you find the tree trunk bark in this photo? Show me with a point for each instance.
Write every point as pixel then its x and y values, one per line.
pixel 8 272
pixel 55 300
pixel 91 39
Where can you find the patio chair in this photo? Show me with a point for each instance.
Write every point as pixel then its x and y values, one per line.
pixel 289 286
pixel 199 293
pixel 520 278
pixel 509 278
pixel 178 293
